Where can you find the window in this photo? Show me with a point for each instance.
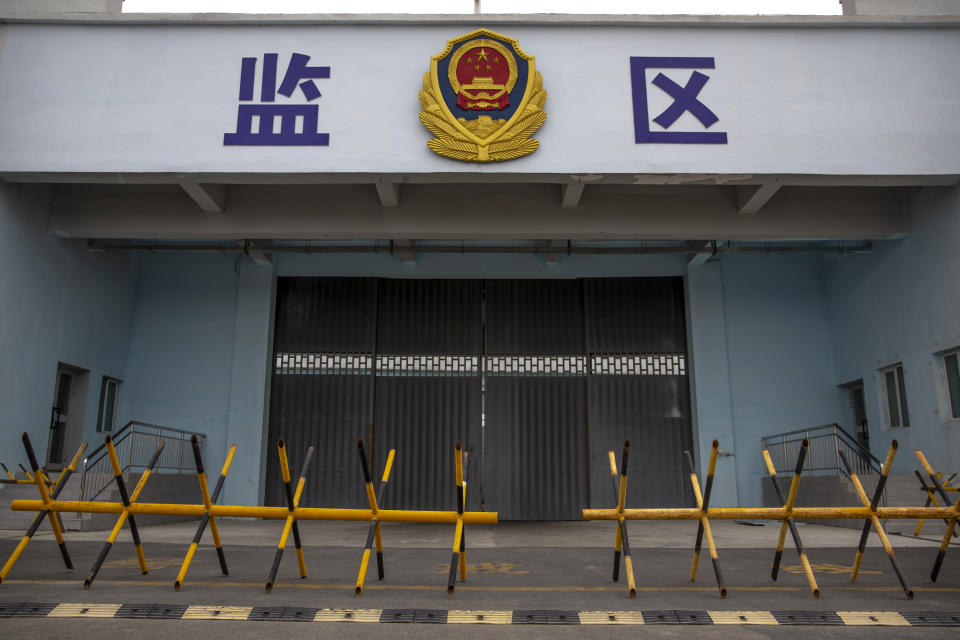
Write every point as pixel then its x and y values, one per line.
pixel 896 396
pixel 951 372
pixel 108 403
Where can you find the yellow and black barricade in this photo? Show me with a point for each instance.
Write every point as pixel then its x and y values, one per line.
pixel 459 556
pixel 787 522
pixel 932 498
pixel 954 514
pixel 44 513
pixel 622 541
pixel 703 502
pixel 291 522
pixel 126 515
pixel 873 519
pixel 208 501
pixel 376 501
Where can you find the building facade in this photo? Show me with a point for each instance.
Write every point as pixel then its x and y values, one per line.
pixel 727 228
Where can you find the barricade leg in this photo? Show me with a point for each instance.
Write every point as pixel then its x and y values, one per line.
pixel 291 522
pixel 873 519
pixel 45 498
pixel 707 491
pixel 206 516
pixel 872 505
pixel 703 504
pixel 459 550
pixel 462 497
pixel 128 500
pixel 38 520
pixel 951 524
pixel 788 522
pixel 622 540
pixel 617 545
pixel 375 501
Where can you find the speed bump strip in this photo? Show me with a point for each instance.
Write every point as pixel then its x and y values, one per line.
pixel 348 615
pixel 156 611
pixel 676 617
pixel 457 616
pixel 612 617
pixel 873 618
pixel 84 610
pixel 742 617
pixel 199 612
pixel 479 616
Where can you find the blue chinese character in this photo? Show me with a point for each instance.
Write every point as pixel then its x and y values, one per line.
pixel 297 70
pixel 685 99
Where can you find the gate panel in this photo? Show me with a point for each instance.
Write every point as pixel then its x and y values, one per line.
pixel 423 418
pixel 536 447
pixel 321 389
pixel 329 413
pixel 428 388
pixel 535 434
pixel 639 388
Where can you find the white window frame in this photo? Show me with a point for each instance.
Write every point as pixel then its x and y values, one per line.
pixel 105 383
pixel 903 417
pixel 952 412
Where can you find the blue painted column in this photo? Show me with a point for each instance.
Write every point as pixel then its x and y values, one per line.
pixel 249 382
pixel 711 378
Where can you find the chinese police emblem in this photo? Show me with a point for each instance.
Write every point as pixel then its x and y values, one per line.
pixel 482 99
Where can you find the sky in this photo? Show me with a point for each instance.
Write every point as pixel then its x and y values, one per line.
pixel 735 7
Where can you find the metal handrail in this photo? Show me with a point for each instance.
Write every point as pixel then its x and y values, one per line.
pixel 824 440
pixel 134 443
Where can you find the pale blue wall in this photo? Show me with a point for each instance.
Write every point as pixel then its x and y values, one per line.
pixel 762 359
pixel 901 303
pixel 61 303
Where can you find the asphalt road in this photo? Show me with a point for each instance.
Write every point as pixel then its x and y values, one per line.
pixel 502 576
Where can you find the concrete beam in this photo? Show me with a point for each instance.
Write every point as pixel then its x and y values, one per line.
pixel 212 198
pixel 570 194
pixel 554 258
pixel 389 193
pixel 457 212
pixel 751 199
pixel 695 258
pixel 258 256
pixel 698 259
pixel 404 249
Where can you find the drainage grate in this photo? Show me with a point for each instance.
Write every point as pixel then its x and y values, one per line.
pixel 821 618
pixel 159 611
pixel 932 618
pixel 287 614
pixel 530 617
pixel 398 615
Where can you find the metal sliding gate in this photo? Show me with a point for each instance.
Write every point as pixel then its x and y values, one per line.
pixel 538 378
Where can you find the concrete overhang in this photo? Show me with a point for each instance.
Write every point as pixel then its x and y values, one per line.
pixel 545 20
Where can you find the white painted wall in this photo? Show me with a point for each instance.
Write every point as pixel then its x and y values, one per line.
pixel 815 100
